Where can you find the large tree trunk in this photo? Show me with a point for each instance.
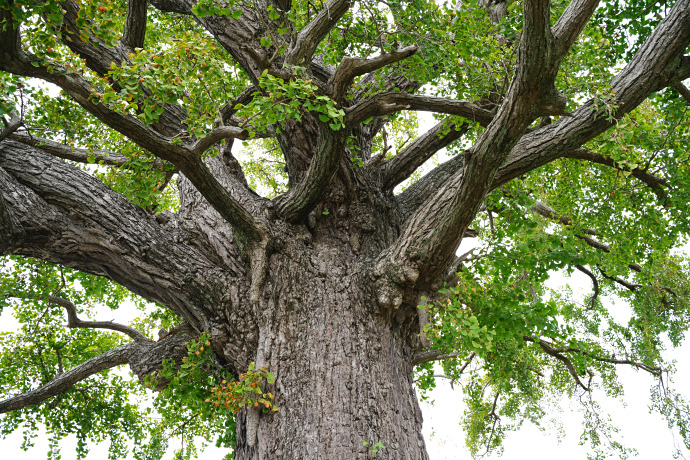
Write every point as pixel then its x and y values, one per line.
pixel 342 365
pixel 343 372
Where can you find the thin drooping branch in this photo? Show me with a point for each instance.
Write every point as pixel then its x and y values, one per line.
pixel 393 101
pixel 295 205
pixel 656 371
pixel 558 354
pixel 109 359
pixel 67 152
pixel 308 39
pixel 617 279
pixel 402 165
pixel 350 68
pixel 135 25
pixel 551 214
pixel 657 184
pixel 73 321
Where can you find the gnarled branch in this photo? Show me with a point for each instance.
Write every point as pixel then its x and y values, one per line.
pixel 299 201
pixel 73 321
pixel 393 101
pixel 350 68
pixel 308 39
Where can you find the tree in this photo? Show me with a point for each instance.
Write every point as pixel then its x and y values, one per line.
pixel 306 286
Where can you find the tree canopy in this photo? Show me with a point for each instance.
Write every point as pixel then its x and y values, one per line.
pixel 182 154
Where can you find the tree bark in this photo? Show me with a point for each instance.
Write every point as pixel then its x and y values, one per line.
pixel 343 368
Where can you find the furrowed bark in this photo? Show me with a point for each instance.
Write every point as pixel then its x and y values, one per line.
pixel 572 21
pixel 431 235
pixel 660 63
pixel 135 25
pixel 186 160
pixel 657 64
pixel 55 212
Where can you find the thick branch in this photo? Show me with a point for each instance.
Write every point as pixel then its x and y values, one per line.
pixel 39 197
pixel 393 101
pixel 402 165
pixel 572 21
pixel 10 39
pixel 658 63
pixel 350 68
pixel 135 25
pixel 217 135
pixel 183 158
pixel 143 357
pixel 433 233
pixel 68 152
pixel 312 34
pixel 243 98
pixel 299 201
pixel 14 124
